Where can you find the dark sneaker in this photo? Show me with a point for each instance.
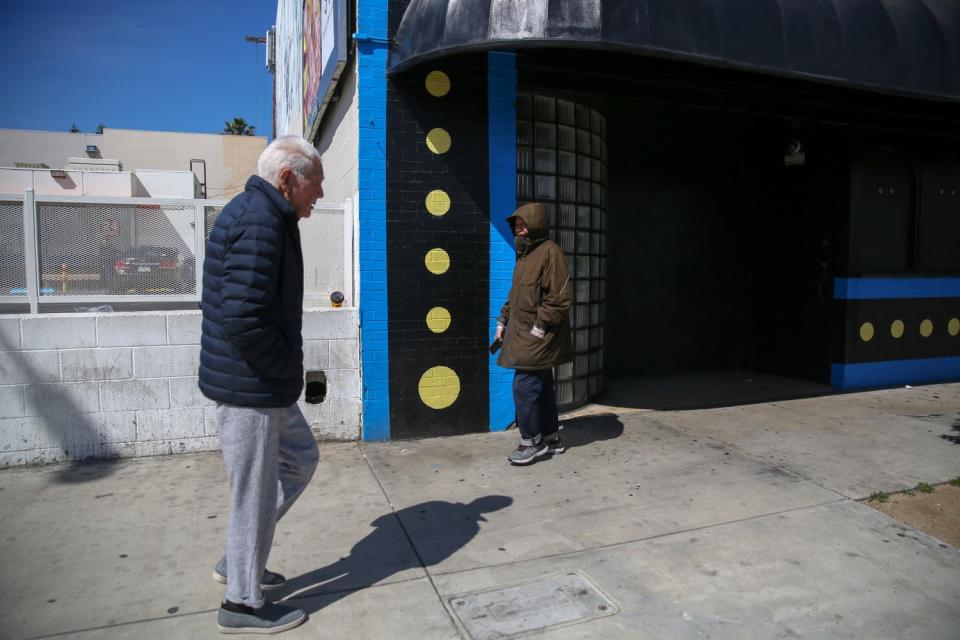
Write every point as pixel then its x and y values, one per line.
pixel 525 454
pixel 555 445
pixel 268 582
pixel 270 618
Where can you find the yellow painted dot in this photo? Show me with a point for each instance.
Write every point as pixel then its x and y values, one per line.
pixel 896 328
pixel 439 387
pixel 866 332
pixel 926 328
pixel 438 202
pixel 438 140
pixel 438 84
pixel 953 327
pixel 438 319
pixel 437 261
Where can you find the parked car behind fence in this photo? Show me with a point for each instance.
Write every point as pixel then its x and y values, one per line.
pixel 153 269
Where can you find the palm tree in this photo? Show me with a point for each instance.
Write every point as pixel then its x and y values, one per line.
pixel 238 127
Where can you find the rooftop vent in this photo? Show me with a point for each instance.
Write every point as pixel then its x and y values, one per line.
pixel 93 164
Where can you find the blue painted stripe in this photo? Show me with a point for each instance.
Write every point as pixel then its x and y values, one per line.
pixel 372 173
pixel 502 153
pixel 891 288
pixel 894 372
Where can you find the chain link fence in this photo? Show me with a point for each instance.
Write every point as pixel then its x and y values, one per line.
pixel 105 251
pixel 116 249
pixel 322 239
pixel 13 263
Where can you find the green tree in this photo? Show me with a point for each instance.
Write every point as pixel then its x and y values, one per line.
pixel 238 127
pixel 100 128
pixel 74 128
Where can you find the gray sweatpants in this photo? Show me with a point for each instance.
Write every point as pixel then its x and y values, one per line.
pixel 270 456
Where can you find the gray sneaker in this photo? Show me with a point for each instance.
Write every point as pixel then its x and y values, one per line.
pixel 268 582
pixel 525 454
pixel 555 445
pixel 270 618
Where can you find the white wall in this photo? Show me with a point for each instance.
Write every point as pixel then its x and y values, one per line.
pixel 166 184
pixel 339 139
pixel 78 385
pixel 101 183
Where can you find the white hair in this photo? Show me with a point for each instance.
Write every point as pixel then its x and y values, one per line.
pixel 285 152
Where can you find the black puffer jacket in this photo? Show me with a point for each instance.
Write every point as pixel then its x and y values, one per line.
pixel 251 351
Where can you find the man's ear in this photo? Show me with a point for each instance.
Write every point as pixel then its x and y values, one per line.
pixel 284 178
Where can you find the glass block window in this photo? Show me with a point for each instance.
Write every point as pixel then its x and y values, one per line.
pixel 562 162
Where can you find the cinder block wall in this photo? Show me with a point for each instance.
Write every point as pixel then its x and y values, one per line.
pixel 83 385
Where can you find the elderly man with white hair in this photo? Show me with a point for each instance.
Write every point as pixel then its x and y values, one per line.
pixel 251 365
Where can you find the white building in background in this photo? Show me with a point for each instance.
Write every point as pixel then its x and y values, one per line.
pixel 221 164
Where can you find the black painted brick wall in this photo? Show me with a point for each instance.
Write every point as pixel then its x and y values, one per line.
pixel 412 172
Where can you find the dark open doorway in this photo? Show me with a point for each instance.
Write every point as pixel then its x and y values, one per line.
pixel 722 236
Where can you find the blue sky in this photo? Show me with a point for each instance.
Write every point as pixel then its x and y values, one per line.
pixel 163 65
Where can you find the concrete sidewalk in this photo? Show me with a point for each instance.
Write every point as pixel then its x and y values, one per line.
pixel 730 522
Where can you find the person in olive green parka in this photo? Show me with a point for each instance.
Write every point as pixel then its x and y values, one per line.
pixel 534 325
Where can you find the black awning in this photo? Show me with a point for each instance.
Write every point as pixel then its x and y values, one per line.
pixel 898 46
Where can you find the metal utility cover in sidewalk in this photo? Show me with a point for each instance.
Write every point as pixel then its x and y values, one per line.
pixel 548 601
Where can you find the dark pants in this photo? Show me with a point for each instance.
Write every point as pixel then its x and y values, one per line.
pixel 536 405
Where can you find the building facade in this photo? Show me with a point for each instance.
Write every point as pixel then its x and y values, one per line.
pixel 771 186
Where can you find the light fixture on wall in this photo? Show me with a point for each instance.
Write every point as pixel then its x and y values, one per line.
pixel 794 153
pixel 58 174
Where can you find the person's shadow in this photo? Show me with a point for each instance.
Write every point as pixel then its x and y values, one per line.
pixel 416 537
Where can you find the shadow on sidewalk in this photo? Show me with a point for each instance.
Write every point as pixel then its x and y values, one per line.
pixel 85 470
pixel 954 427
pixel 435 529
pixel 580 431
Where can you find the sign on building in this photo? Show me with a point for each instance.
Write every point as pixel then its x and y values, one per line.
pixel 324 56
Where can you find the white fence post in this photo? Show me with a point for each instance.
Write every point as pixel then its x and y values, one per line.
pixel 348 253
pixel 31 250
pixel 200 245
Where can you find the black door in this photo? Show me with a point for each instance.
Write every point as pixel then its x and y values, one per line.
pixel 794 239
